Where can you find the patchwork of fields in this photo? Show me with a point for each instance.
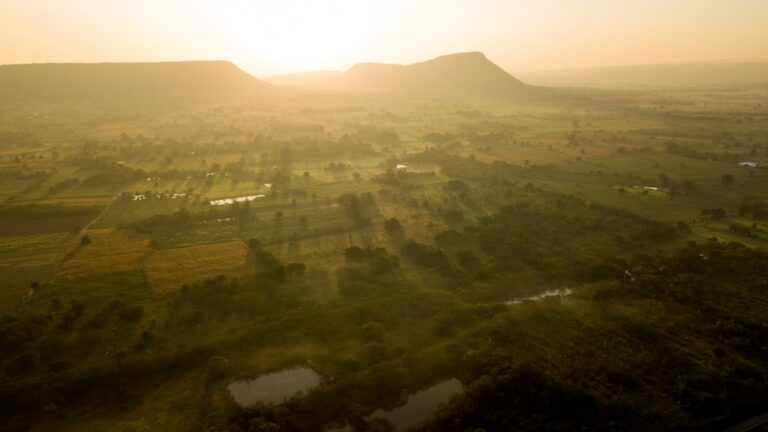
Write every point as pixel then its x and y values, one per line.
pixel 384 245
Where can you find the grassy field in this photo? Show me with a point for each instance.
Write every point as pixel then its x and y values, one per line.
pixel 27 259
pixel 107 251
pixel 169 269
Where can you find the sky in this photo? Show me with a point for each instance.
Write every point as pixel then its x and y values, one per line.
pixel 268 37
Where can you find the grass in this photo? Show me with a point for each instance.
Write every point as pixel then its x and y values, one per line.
pixel 24 260
pixel 167 270
pixel 109 251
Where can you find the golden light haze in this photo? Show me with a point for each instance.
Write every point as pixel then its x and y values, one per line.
pixel 280 36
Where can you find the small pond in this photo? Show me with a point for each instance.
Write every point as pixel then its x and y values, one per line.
pixel 420 405
pixel 538 297
pixel 274 387
pixel 226 201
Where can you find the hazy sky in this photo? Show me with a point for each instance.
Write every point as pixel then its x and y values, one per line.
pixel 277 36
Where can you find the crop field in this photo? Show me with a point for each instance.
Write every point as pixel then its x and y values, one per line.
pixel 29 220
pixel 107 251
pixel 27 259
pixel 167 270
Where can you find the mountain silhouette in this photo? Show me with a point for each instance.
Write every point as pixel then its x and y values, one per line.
pixel 459 75
pixel 127 81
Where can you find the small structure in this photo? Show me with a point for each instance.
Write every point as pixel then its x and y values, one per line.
pixel 748 164
pixel 400 167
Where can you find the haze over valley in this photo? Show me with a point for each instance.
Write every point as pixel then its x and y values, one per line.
pixel 288 216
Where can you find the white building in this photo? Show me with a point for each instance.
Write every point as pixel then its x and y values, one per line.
pixel 748 164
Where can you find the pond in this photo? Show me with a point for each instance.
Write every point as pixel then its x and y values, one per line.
pixel 275 387
pixel 226 201
pixel 538 297
pixel 420 405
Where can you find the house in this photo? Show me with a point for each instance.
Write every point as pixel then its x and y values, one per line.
pixel 400 167
pixel 748 164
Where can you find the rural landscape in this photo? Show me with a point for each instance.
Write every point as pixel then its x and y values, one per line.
pixel 434 246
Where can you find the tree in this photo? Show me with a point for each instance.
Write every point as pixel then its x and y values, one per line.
pixel 726 180
pixel 85 240
pixel 373 332
pixel 664 179
pixel 688 186
pixel 392 225
pixel 683 227
pixel 295 269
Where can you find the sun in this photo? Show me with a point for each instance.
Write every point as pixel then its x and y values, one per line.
pixel 297 35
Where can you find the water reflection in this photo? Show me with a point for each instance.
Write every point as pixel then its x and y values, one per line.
pixel 275 387
pixel 551 293
pixel 225 201
pixel 421 405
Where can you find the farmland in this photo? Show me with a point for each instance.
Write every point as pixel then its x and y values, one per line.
pixel 169 269
pixel 386 243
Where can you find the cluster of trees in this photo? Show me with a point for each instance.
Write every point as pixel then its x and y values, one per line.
pixel 560 237
pixel 426 256
pixel 184 217
pixel 714 213
pixel 753 207
pixel 63 185
pixel 686 186
pixel 687 150
pixel 517 397
pixel 360 208
pixel 377 135
pixel 109 172
pixel 367 271
pixel 619 359
pixel 338 167
pixel 399 177
pixel 741 229
pixel 18 138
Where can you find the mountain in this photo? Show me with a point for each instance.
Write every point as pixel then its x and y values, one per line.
pixel 127 81
pixel 463 75
pixel 662 75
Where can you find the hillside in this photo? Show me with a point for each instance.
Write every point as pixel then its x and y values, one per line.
pixel 463 75
pixel 664 75
pixel 126 81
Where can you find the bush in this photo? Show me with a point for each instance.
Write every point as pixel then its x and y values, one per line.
pixel 392 225
pixel 373 332
pixel 130 313
pixel 218 367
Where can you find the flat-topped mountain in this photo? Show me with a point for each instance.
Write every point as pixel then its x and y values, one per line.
pixel 126 81
pixel 457 75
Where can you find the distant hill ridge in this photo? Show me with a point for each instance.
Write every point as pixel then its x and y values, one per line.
pixel 120 81
pixel 468 74
pixel 657 75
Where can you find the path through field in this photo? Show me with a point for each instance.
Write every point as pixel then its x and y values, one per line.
pixel 60 258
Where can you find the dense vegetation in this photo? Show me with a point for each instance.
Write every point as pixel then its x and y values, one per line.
pixel 594 261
